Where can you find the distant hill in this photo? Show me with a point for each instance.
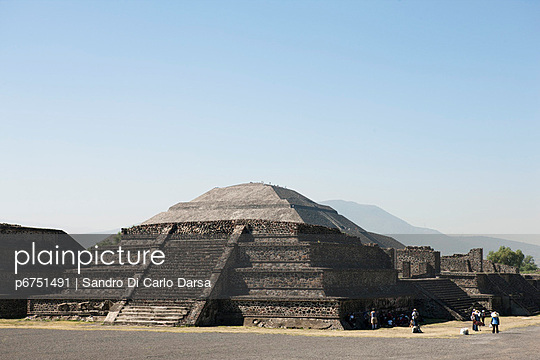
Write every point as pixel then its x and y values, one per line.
pixel 373 218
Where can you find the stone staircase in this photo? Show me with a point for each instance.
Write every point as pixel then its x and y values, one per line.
pixel 527 291
pixel 155 313
pixel 192 258
pixel 184 258
pixel 517 290
pixel 447 293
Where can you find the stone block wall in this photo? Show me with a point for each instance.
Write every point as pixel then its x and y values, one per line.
pixel 69 307
pixel 476 259
pixel 227 227
pixel 422 260
pixel 337 281
pixel 272 313
pixel 349 255
pixel 391 253
pixel 491 267
pixel 312 314
pixel 470 262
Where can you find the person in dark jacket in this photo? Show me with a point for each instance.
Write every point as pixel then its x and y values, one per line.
pixel 495 321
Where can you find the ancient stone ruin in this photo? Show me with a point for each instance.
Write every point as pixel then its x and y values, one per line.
pixel 458 281
pixel 262 255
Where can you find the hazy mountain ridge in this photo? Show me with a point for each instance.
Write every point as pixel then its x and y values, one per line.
pixel 373 218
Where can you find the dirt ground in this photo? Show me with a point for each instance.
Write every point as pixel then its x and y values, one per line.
pixel 435 330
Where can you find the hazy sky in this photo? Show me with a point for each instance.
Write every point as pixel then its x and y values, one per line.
pixel 111 111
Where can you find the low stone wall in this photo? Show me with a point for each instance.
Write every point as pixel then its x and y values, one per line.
pixel 47 307
pixel 470 262
pixel 227 227
pixel 491 267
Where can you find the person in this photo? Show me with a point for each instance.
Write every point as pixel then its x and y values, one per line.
pixel 390 319
pixel 374 321
pixel 352 320
pixel 416 321
pixel 477 319
pixel 483 317
pixel 473 319
pixel 495 321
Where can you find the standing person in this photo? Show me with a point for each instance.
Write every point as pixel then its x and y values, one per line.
pixel 473 319
pixel 416 321
pixel 477 320
pixel 390 319
pixel 352 321
pixel 483 317
pixel 374 321
pixel 495 321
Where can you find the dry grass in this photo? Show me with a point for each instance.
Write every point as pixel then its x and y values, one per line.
pixel 438 330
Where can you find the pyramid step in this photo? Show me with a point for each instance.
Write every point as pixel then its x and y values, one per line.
pixel 151 318
pixel 153 313
pixel 145 322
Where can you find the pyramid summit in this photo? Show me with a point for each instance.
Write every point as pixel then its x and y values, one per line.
pixel 260 201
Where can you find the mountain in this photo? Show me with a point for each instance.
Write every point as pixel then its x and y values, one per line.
pixel 374 219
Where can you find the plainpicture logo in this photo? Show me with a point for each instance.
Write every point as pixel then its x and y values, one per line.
pixel 85 257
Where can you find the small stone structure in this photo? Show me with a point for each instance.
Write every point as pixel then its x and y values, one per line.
pixel 418 261
pixel 491 285
pixel 470 262
pixel 482 282
pixel 473 262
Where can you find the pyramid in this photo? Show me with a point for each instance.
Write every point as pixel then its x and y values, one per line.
pixel 264 256
pixel 259 201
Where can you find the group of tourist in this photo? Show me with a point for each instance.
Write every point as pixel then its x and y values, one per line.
pixel 478 319
pixel 375 319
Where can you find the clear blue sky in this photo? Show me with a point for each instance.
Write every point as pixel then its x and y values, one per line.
pixel 111 111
